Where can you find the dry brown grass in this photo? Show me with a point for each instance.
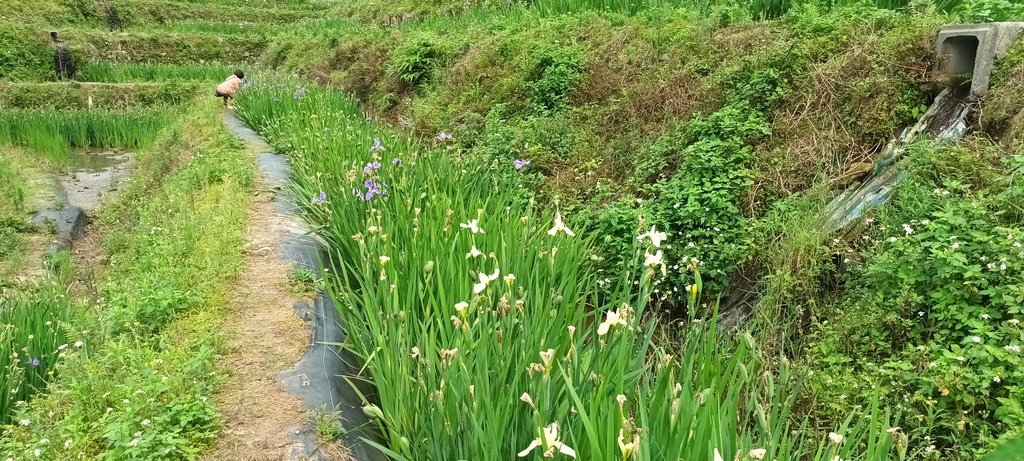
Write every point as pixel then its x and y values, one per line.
pixel 842 111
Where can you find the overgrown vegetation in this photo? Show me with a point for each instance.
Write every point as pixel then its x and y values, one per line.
pixel 445 261
pixel 725 125
pixel 139 387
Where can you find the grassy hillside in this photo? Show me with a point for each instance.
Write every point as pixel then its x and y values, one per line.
pixel 727 125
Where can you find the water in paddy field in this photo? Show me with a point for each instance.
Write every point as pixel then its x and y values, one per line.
pixel 93 176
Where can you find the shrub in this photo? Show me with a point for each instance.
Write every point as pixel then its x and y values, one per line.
pixel 414 62
pixel 942 288
pixel 555 74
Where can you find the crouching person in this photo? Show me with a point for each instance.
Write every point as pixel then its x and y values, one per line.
pixel 230 87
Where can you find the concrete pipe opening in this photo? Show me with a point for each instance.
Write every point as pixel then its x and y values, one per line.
pixel 962 55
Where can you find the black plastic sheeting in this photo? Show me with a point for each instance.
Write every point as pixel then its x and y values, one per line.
pixel 317 378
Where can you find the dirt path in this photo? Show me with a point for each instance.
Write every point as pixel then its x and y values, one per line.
pixel 265 337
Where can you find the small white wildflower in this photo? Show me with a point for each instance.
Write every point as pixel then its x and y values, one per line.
pixel 976 339
pixel 485 280
pixel 473 226
pixel 757 453
pixel 79 344
pixel 611 319
pixel 550 444
pixel 655 237
pixel 415 352
pixel 560 227
pixel 835 438
pixel 24 422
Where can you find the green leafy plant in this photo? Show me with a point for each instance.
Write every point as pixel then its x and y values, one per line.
pixel 414 62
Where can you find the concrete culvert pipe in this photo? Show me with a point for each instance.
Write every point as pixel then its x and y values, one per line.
pixel 968 52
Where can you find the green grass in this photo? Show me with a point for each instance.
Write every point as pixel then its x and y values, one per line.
pixel 54 133
pixel 140 388
pixel 15 204
pixel 119 72
pixel 32 341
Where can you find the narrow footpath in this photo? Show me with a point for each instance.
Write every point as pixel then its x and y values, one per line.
pixel 265 337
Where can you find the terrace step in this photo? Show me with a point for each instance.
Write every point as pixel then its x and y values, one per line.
pixel 131 13
pixel 77 95
pixel 165 47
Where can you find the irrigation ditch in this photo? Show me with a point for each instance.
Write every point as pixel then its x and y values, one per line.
pixel 90 178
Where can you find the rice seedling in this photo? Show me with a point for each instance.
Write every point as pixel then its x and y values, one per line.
pixel 54 133
pixel 13 206
pixel 31 342
pixel 478 317
pixel 119 72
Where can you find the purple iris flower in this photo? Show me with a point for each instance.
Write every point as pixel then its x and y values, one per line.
pixel 373 189
pixel 299 92
pixel 320 199
pixel 396 161
pixel 520 164
pixel 370 167
pixel 35 362
pixel 442 136
pixel 377 146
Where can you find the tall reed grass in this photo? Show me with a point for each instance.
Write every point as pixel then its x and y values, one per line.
pixel 476 313
pixel 54 133
pixel 119 72
pixel 31 341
